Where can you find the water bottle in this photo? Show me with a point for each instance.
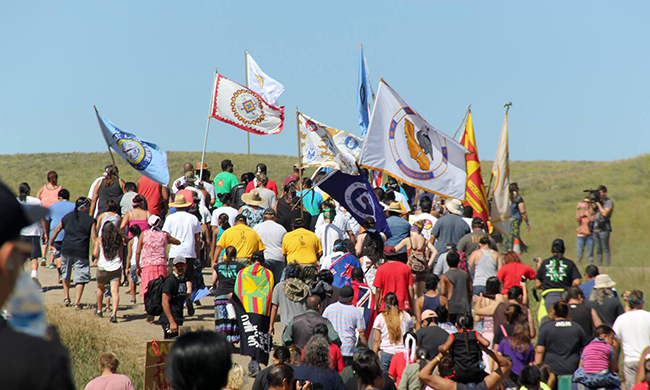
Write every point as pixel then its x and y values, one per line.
pixel 26 310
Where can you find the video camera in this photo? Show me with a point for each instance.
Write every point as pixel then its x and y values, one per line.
pixel 594 195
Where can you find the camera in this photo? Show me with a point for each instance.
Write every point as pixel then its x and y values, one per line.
pixel 594 195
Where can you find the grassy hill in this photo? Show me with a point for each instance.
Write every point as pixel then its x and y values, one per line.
pixel 551 190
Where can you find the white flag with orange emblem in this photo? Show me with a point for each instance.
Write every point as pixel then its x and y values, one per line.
pixel 239 106
pixel 269 88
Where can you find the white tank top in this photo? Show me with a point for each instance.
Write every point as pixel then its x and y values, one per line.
pixel 108 265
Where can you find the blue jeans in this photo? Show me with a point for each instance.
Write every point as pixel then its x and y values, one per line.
pixel 385 359
pixel 478 290
pixel 586 242
pixel 277 267
pixel 601 239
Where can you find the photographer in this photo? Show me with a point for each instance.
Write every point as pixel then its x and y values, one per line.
pixel 603 226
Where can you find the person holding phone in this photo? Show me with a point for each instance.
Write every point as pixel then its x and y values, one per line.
pixel 585 241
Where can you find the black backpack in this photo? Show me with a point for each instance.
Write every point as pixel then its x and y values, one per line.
pixel 153 296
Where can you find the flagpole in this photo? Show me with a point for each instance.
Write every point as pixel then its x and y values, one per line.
pixel 207 126
pixel 105 140
pixel 463 121
pixel 248 134
pixel 300 162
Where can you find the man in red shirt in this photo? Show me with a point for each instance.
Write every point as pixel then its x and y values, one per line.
pixel 513 270
pixel 394 276
pixel 157 196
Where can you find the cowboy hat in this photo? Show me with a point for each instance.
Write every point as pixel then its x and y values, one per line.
pixel 180 202
pixel 252 198
pixel 454 206
pixel 604 281
pixel 397 208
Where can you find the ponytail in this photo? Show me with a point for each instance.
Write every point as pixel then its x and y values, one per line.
pixel 23 191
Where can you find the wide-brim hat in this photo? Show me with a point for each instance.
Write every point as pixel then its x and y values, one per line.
pixel 454 206
pixel 397 208
pixel 252 198
pixel 604 281
pixel 197 167
pixel 180 201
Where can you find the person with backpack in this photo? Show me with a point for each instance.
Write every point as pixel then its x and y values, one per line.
pixel 151 255
pixel 370 234
pixel 174 295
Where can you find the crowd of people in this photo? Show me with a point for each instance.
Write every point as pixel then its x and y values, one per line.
pixel 332 302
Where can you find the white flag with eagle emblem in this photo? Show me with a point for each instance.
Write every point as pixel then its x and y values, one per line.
pixel 235 104
pixel 402 144
pixel 261 83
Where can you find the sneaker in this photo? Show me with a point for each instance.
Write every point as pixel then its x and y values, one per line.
pixel 99 314
pixel 43 262
pixel 113 319
pixel 52 266
pixel 132 301
pixel 38 283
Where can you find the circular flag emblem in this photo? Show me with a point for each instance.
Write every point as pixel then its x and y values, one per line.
pixel 418 150
pixel 311 126
pixel 247 107
pixel 358 200
pixel 134 151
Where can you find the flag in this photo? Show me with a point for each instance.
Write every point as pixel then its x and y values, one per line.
pixel 261 83
pixel 239 106
pixel 324 146
pixel 145 157
pixel 375 178
pixel 475 191
pixel 364 302
pixel 500 210
pixel 354 193
pixel 402 144
pixel 364 92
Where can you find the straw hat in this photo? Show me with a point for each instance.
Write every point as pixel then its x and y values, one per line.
pixel 604 281
pixel 397 208
pixel 454 206
pixel 197 167
pixel 180 202
pixel 252 198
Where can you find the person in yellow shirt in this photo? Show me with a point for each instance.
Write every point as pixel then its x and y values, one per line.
pixel 301 245
pixel 243 238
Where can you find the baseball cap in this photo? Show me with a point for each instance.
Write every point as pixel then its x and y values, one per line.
pixel 346 294
pixel 477 222
pixel 240 218
pixel 269 211
pixel 14 216
pixel 179 260
pixel 428 314
pixel 257 255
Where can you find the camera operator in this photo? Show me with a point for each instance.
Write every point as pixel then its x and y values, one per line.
pixel 603 226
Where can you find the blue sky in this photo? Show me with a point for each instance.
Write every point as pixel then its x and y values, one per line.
pixel 576 72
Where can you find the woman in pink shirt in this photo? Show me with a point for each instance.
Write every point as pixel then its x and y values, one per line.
pixel 151 256
pixel 49 193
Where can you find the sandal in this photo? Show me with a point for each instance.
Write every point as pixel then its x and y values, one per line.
pixel 77 306
pixel 66 302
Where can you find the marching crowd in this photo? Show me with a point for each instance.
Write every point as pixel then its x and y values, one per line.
pixel 435 304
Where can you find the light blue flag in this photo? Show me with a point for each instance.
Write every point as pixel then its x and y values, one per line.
pixel 364 93
pixel 145 157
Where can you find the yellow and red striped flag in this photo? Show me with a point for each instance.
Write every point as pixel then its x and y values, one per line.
pixel 475 190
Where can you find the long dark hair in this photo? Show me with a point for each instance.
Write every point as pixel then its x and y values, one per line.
pixel 368 368
pixel 23 191
pixel 372 252
pixel 53 178
pixel 230 254
pixel 111 175
pixel 492 287
pixel 423 356
pixel 111 240
pixel 519 339
pixel 465 323
pixel 225 221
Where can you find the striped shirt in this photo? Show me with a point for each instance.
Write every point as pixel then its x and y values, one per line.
pixel 596 356
pixel 346 319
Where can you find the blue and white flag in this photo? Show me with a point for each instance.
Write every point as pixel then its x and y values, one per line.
pixel 145 157
pixel 354 193
pixel 364 93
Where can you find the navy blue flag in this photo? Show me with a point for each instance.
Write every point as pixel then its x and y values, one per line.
pixel 147 158
pixel 355 194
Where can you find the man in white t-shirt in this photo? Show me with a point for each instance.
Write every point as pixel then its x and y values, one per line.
pixel 328 232
pixel 633 329
pixel 188 167
pixel 268 195
pixel 186 228
pixel 272 234
pixel 343 220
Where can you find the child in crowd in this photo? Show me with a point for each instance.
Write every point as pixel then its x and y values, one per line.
pixel 598 365
pixel 518 346
pixel 132 248
pixel 466 352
